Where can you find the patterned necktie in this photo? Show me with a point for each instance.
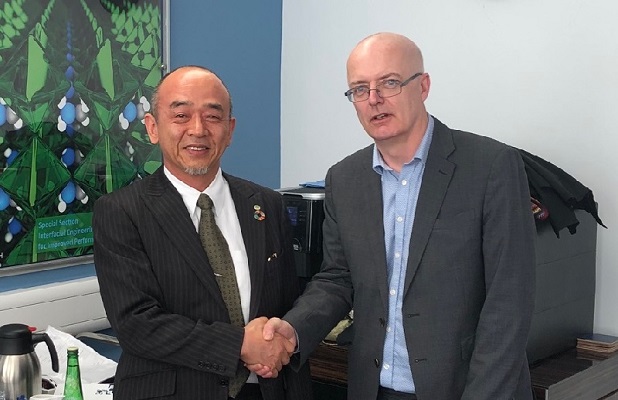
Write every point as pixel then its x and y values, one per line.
pixel 221 262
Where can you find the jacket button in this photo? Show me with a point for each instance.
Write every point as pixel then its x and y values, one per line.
pixel 382 322
pixel 201 364
pixel 376 362
pixel 224 382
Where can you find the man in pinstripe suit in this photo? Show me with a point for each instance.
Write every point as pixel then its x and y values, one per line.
pixel 157 284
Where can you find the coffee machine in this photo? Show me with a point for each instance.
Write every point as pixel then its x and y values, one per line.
pixel 305 207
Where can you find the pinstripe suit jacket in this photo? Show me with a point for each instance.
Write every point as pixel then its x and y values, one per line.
pixel 469 284
pixel 162 299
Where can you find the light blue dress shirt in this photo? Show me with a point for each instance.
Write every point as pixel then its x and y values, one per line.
pixel 399 194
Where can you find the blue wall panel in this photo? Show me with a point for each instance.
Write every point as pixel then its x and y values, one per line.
pixel 241 42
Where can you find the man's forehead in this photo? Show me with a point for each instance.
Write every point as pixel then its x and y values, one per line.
pixel 206 104
pixel 190 87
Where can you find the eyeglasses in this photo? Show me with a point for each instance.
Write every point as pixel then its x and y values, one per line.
pixel 384 89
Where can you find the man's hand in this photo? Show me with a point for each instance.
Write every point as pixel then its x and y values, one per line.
pixel 272 330
pixel 265 356
pixel 281 327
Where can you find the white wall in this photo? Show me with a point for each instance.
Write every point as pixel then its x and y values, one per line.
pixel 541 75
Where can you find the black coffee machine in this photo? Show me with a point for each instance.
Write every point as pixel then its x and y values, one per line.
pixel 305 207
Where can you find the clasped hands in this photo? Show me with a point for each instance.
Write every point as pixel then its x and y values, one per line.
pixel 267 346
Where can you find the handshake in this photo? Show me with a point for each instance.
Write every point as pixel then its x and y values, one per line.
pixel 267 346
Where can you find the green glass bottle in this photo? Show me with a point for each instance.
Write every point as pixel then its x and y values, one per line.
pixel 73 381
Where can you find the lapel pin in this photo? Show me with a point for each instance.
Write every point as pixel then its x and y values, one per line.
pixel 258 213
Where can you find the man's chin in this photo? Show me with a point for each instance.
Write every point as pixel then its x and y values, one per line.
pixel 196 171
pixel 381 135
pixel 380 132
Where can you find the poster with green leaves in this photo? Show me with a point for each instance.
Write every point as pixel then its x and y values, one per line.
pixel 76 77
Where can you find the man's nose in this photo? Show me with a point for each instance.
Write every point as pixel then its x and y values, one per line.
pixel 374 96
pixel 198 126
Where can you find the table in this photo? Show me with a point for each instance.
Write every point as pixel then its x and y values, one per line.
pixel 570 375
pixel 575 375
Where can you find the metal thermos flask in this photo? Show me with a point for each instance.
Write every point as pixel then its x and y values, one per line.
pixel 20 370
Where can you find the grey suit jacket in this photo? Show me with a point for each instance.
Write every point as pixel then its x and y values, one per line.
pixel 162 299
pixel 469 286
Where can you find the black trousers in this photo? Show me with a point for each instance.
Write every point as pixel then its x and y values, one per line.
pixel 250 391
pixel 390 394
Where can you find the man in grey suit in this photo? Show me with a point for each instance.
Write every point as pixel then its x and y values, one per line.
pixel 159 286
pixel 428 237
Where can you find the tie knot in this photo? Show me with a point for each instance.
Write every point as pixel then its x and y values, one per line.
pixel 204 202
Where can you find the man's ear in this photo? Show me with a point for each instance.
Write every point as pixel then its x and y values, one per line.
pixel 151 128
pixel 232 127
pixel 425 85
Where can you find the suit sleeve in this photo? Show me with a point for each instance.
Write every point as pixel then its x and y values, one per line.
pixel 133 297
pixel 499 357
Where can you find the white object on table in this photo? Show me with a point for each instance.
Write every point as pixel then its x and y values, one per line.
pixel 94 367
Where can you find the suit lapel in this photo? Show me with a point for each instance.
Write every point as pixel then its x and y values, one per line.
pixel 253 233
pixel 371 185
pixel 436 178
pixel 170 212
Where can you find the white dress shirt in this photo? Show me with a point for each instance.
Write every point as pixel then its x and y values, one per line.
pixel 227 221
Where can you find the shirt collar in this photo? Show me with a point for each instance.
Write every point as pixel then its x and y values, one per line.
pixel 421 153
pixel 190 195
